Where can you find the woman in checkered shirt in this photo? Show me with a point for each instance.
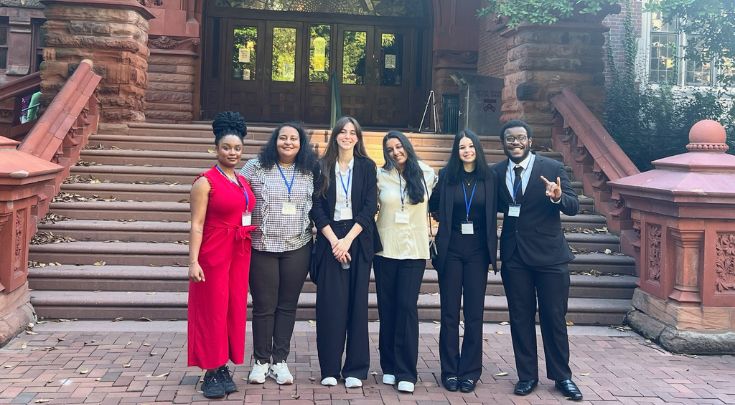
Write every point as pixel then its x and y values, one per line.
pixel 281 179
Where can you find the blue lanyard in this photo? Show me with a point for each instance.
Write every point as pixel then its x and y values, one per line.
pixel 245 192
pixel 288 186
pixel 345 188
pixel 468 204
pixel 401 191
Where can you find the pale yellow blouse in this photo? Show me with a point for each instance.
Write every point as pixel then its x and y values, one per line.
pixel 403 241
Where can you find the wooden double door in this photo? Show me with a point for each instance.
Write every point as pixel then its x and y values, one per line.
pixel 277 71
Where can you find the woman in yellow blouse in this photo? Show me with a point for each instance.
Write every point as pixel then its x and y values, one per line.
pixel 404 188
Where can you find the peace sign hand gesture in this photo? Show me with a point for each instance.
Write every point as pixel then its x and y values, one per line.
pixel 553 190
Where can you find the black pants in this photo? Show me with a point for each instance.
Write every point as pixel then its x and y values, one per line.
pixel 523 284
pixel 276 280
pixel 398 283
pixel 464 278
pixel 342 311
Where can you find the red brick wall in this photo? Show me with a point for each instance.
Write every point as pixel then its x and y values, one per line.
pixel 493 53
pixel 617 33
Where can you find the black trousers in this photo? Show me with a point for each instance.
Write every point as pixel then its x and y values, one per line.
pixel 398 283
pixel 276 280
pixel 342 311
pixel 464 278
pixel 550 284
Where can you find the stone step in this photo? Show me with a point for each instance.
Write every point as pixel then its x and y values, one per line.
pixel 157 231
pixel 171 305
pixel 174 279
pixel 171 254
pixel 149 192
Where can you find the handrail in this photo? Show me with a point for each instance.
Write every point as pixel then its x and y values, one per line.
pixel 21 87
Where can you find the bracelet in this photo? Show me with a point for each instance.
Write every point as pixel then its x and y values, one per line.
pixel 195 261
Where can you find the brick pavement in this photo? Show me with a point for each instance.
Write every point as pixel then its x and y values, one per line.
pixel 130 362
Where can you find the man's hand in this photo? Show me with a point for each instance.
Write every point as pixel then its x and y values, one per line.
pixel 553 190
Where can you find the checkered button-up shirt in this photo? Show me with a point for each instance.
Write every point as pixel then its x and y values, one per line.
pixel 277 232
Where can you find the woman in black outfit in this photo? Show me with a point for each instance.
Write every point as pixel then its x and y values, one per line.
pixel 345 203
pixel 466 244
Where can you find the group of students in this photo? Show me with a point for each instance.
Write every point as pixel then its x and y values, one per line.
pixel 256 227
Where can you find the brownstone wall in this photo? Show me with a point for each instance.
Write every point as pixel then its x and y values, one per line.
pixel 493 54
pixel 172 75
pixel 617 33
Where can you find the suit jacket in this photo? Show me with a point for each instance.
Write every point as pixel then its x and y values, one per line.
pixel 537 232
pixel 364 205
pixel 443 203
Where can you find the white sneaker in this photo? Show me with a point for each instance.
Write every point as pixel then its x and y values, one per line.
pixel 257 375
pixel 389 379
pixel 329 381
pixel 280 373
pixel 352 382
pixel 405 386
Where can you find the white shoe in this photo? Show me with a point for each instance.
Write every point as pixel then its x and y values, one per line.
pixel 280 373
pixel 389 379
pixel 257 375
pixel 329 381
pixel 405 386
pixel 352 382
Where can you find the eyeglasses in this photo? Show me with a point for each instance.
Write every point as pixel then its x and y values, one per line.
pixel 519 138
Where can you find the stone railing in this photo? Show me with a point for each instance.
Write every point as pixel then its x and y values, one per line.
pixel 596 159
pixel 31 173
pixel 17 90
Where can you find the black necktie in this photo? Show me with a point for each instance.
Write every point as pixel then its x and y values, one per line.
pixel 517 181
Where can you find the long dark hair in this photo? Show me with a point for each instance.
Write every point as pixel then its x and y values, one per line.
pixel 228 123
pixel 329 159
pixel 305 158
pixel 412 172
pixel 454 167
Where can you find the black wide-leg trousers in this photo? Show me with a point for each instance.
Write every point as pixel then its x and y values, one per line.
pixel 398 283
pixel 523 283
pixel 464 276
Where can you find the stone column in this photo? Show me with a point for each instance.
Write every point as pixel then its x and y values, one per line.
pixel 23 178
pixel 544 59
pixel 684 211
pixel 111 33
pixel 172 69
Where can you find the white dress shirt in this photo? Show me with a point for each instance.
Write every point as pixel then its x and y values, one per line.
pixel 344 200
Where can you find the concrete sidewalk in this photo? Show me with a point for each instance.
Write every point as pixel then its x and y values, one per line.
pixel 145 362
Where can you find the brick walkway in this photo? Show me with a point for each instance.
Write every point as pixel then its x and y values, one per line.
pixel 136 362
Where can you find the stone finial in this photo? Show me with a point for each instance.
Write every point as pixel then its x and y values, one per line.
pixel 707 136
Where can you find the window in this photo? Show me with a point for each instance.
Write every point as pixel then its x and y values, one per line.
pixel 39 34
pixel 4 28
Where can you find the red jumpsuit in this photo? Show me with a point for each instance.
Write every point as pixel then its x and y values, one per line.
pixel 218 306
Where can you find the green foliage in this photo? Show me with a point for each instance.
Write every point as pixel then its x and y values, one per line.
pixel 652 123
pixel 541 11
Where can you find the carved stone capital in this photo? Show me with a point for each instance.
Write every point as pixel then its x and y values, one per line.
pixel 173 43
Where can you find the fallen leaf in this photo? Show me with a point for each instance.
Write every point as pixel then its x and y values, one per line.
pixel 129 343
pixel 161 375
pixel 126 365
pixel 152 353
pixel 146 344
pixel 23 346
pixel 312 323
pixel 504 323
pixel 144 319
pixel 211 151
pixel 499 332
pixel 312 379
pixel 295 395
pixel 584 374
pixel 374 373
pixel 99 263
pixel 118 319
pixel 608 251
pixel 30 332
pixel 41 401
pixel 84 372
pixel 570 323
pixel 9 365
pixel 502 373
pixel 151 293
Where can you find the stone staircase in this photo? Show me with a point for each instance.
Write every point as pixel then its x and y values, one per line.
pixel 115 244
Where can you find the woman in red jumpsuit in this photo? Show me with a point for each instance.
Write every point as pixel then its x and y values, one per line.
pixel 219 260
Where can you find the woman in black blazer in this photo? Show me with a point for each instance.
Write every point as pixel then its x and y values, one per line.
pixel 467 244
pixel 345 202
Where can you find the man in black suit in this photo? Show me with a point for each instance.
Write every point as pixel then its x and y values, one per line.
pixel 534 255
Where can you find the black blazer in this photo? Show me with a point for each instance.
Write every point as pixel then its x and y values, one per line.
pixel 537 233
pixel 442 201
pixel 364 200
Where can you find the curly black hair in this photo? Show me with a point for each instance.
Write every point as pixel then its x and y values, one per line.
pixel 305 158
pixel 228 123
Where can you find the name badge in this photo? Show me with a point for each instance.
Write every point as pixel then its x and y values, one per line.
pixel 247 219
pixel 514 210
pixel 402 217
pixel 345 214
pixel 467 228
pixel 288 208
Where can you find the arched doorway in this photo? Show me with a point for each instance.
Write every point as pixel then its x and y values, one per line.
pixel 274 60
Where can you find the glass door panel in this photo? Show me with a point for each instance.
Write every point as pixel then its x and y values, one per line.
pixel 355 57
pixel 390 95
pixel 318 90
pixel 284 54
pixel 243 77
pixel 244 53
pixel 284 43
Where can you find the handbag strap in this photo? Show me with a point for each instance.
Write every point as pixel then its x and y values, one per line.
pixel 428 214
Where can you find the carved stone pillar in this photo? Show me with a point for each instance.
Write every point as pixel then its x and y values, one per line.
pixel 111 33
pixel 172 69
pixel 688 245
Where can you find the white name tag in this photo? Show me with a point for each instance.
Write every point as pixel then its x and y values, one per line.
pixel 247 219
pixel 288 208
pixel 345 214
pixel 402 217
pixel 467 228
pixel 514 210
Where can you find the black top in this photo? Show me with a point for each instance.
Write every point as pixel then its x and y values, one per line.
pixel 477 209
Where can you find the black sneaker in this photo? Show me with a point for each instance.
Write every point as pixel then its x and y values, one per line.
pixel 223 375
pixel 212 387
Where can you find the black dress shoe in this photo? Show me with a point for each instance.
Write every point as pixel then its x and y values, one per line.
pixel 451 384
pixel 525 387
pixel 467 386
pixel 569 389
